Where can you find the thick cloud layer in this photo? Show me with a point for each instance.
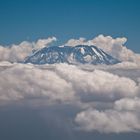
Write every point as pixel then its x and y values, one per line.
pixel 107 102
pixel 63 82
pixel 91 98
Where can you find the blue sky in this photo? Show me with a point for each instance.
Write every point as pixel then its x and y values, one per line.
pixel 33 19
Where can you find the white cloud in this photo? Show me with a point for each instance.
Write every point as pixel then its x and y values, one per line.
pixel 17 53
pixel 124 116
pixel 26 81
pixel 44 42
pixel 128 104
pixel 75 42
pixel 108 121
pixel 54 81
pixel 113 100
pixel 97 84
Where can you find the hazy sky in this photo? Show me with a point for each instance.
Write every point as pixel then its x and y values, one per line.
pixel 33 19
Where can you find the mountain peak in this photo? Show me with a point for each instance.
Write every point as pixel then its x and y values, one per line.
pixel 73 55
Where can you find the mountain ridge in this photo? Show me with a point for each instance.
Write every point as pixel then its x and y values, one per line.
pixel 72 55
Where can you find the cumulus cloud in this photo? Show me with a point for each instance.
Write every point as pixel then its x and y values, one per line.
pixel 108 121
pixel 44 42
pixel 97 84
pixel 17 53
pixel 75 42
pixel 128 104
pixel 32 83
pixel 63 78
pixel 124 116
pixel 107 102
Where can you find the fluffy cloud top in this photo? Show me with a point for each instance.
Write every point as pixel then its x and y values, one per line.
pixel 108 121
pixel 123 117
pixel 44 42
pixel 75 42
pixel 128 104
pixel 17 53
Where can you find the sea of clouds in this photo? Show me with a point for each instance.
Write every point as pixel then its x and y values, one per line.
pixel 101 98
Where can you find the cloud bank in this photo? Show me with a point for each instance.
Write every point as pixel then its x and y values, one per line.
pixel 107 103
pixel 101 98
pixel 17 53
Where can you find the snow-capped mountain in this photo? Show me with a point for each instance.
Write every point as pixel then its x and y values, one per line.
pixel 72 55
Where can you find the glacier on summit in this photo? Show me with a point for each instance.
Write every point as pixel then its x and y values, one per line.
pixel 83 54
